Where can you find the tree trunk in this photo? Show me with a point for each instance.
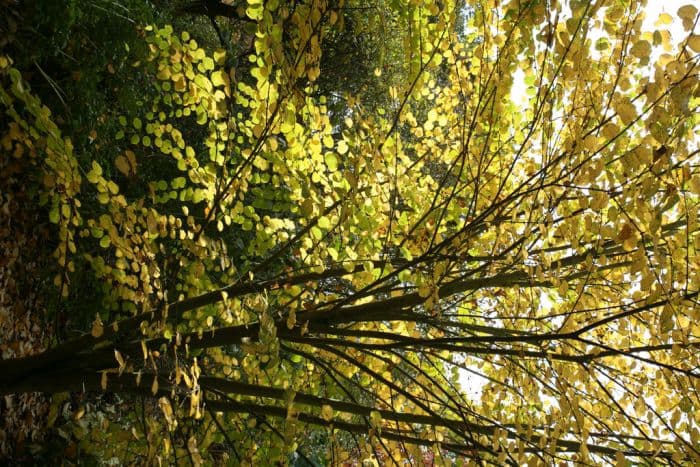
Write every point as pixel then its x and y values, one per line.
pixel 54 371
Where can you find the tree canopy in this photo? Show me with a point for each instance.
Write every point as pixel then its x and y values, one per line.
pixel 285 272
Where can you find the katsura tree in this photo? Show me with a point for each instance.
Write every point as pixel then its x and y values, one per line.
pixel 522 216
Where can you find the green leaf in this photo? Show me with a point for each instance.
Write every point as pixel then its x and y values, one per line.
pixel 218 78
pixel 331 162
pixel 178 182
pixel 324 223
pixel 203 83
pixel 54 215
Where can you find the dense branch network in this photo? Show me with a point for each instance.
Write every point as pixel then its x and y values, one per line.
pixel 545 245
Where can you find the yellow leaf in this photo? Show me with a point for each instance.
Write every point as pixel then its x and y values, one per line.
pixel 327 412
pixel 695 184
pixel 203 83
pixel 591 143
pixel 97 327
pixel 119 358
pixel 641 49
pixel 626 111
pixel 694 43
pixel 626 233
pixel 393 93
pixel 131 157
pixel 219 78
pixel 112 187
pixel 152 223
pixel 687 12
pixel 664 19
pixel 167 410
pixel 255 12
pixel 331 162
pixel 96 169
pixel 425 291
pixel 599 201
pixel 122 164
pixel 219 56
pixel 666 320
pixel 629 244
